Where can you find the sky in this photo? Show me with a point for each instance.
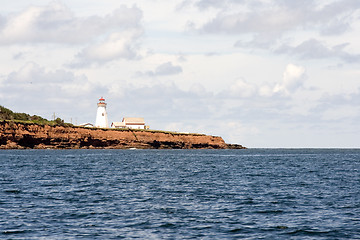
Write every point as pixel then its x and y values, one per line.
pixel 261 73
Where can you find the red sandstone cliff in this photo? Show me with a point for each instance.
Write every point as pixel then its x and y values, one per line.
pixel 28 135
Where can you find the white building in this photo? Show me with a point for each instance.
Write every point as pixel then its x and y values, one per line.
pixel 101 114
pixel 134 123
pixel 130 122
pixel 118 125
pixel 86 125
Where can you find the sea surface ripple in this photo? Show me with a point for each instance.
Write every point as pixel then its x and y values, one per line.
pixel 180 194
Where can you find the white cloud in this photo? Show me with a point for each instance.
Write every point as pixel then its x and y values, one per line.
pixel 117 46
pixel 278 17
pixel 242 88
pixel 266 90
pixel 35 74
pixel 269 24
pixel 293 78
pixel 163 69
pixel 37 90
pixel 56 23
pixel 314 49
pixel 33 83
pixel 103 38
pixel 330 103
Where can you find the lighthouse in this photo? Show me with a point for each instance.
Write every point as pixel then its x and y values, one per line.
pixel 101 114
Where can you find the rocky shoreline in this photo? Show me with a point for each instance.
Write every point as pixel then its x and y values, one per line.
pixel 16 135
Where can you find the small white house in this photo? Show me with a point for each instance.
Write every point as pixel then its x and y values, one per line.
pixel 134 123
pixel 86 125
pixel 130 122
pixel 118 125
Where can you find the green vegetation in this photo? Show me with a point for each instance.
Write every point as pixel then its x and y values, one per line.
pixel 8 115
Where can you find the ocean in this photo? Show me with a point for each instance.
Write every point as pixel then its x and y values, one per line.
pixel 180 194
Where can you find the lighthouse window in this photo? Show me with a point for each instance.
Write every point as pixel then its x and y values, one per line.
pixel 103 114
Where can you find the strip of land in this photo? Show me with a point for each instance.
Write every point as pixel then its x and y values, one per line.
pixel 23 135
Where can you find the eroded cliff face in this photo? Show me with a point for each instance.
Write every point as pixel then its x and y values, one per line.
pixel 23 135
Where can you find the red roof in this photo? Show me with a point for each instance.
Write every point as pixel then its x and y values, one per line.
pixel 101 99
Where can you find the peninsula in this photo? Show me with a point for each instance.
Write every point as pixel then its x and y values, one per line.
pixel 17 134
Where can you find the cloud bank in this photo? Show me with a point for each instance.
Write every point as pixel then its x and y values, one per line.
pixel 56 23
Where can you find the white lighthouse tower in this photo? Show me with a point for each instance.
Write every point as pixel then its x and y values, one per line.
pixel 101 114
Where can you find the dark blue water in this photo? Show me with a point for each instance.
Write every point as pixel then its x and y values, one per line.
pixel 180 194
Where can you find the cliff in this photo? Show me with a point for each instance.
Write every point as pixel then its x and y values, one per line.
pixel 15 135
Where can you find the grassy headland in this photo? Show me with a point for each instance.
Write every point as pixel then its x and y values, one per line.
pixel 8 115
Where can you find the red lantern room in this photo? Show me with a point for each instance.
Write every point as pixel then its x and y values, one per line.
pixel 101 101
